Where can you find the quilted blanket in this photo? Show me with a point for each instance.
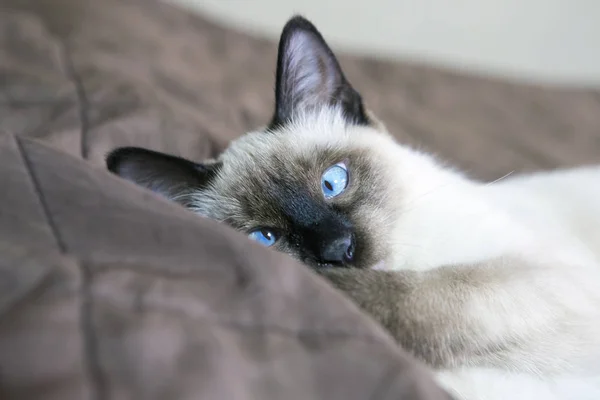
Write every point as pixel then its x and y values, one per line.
pixel 109 292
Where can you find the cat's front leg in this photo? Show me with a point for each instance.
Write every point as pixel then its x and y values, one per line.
pixel 508 313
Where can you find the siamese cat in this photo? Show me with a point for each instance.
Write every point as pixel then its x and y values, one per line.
pixel 496 286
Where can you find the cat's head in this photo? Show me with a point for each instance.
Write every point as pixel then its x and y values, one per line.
pixel 317 183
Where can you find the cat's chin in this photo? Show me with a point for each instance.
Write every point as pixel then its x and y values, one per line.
pixel 379 266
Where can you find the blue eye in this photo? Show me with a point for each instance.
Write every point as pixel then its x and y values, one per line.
pixel 334 180
pixel 263 236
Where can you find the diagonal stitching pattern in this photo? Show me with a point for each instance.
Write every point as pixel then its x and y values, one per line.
pixel 83 103
pixel 89 337
pixel 40 196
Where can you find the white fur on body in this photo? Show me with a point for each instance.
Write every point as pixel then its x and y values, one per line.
pixel 552 219
pixel 549 220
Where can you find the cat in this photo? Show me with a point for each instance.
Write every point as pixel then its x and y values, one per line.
pixel 496 286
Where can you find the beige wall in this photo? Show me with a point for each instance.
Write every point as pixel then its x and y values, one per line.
pixel 541 40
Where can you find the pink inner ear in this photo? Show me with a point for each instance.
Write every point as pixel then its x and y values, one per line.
pixel 312 70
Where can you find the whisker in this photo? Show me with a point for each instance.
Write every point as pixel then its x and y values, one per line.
pixel 419 198
pixel 502 177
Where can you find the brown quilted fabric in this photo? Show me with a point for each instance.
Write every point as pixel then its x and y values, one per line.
pixel 108 292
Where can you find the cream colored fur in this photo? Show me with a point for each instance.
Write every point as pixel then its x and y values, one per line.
pixel 549 223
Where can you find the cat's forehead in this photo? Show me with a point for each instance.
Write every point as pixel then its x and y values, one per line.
pixel 295 148
pixel 262 169
pixel 306 138
pixel 272 159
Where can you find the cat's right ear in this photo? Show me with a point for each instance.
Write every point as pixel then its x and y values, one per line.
pixel 170 176
pixel 309 77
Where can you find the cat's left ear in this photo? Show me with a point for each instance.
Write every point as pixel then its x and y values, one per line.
pixel 170 176
pixel 309 77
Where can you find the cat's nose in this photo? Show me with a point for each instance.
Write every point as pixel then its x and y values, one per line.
pixel 339 251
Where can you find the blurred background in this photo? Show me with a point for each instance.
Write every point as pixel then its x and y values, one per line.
pixel 491 86
pixel 549 41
